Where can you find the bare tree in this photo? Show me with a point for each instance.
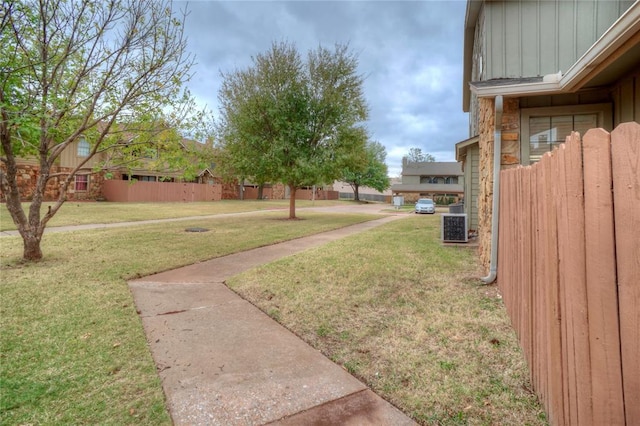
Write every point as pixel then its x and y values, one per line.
pixel 99 69
pixel 417 156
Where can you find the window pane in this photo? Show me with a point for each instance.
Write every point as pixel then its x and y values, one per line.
pixel 584 122
pixel 82 183
pixel 83 148
pixel 547 132
pixel 561 127
pixel 540 139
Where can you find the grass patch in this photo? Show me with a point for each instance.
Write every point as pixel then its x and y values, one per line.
pixel 81 213
pixel 72 347
pixel 405 315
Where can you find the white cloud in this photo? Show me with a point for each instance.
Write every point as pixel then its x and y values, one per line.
pixel 410 51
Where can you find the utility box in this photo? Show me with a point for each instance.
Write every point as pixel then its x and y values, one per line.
pixel 454 228
pixel 398 201
pixel 456 208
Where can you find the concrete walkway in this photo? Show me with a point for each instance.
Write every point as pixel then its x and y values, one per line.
pixel 224 362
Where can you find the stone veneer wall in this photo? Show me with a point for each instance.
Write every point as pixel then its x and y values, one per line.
pixel 28 175
pixel 510 157
pixel 26 178
pixel 278 191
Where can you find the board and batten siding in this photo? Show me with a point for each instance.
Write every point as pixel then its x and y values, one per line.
pixel 474 156
pixel 626 100
pixel 472 185
pixel 69 157
pixel 535 38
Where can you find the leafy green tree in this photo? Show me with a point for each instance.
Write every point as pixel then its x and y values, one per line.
pixel 292 121
pixel 417 156
pixel 109 71
pixel 372 174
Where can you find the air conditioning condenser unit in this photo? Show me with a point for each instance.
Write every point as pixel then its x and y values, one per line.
pixel 454 228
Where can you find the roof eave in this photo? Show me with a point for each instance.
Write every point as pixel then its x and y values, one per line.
pixel 522 89
pixel 600 54
pixel 461 147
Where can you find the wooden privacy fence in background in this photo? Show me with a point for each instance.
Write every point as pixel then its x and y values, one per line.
pixel 127 191
pixel 569 273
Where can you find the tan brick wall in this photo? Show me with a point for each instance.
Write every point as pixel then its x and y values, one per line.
pixel 509 157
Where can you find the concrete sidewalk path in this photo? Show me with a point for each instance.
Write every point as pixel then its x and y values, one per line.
pixel 222 361
pixel 373 208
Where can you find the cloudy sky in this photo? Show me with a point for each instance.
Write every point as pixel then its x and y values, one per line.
pixel 409 51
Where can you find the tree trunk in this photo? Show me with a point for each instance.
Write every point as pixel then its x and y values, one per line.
pixel 260 188
pixel 356 193
pixel 32 250
pixel 292 202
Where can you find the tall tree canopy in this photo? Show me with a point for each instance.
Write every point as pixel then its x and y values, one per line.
pixel 109 71
pixel 292 121
pixel 373 173
pixel 417 156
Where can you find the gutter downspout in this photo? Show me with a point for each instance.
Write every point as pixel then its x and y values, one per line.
pixel 497 151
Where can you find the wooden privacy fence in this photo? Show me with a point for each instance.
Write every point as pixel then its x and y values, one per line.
pixel 569 273
pixel 127 191
pixel 321 194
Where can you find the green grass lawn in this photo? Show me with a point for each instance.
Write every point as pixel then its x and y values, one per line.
pixel 80 213
pixel 392 305
pixel 407 316
pixel 72 347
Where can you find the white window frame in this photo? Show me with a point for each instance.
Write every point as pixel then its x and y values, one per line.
pixel 84 146
pixel 604 112
pixel 76 182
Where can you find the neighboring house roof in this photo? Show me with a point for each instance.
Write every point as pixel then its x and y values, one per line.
pixel 612 56
pixel 463 146
pixel 431 168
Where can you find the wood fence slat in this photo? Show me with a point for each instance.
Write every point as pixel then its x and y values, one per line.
pixel 537 323
pixel 503 226
pixel 519 259
pixel 625 147
pixel 572 277
pixel 538 255
pixel 523 261
pixel 602 294
pixel 558 168
pixel 569 385
pixel 555 361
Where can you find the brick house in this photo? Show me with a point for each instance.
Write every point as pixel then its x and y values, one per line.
pixel 87 184
pixel 89 179
pixel 535 71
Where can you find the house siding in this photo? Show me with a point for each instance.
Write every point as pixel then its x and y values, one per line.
pixel 535 38
pixel 471 185
pixel 69 157
pixel 626 100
